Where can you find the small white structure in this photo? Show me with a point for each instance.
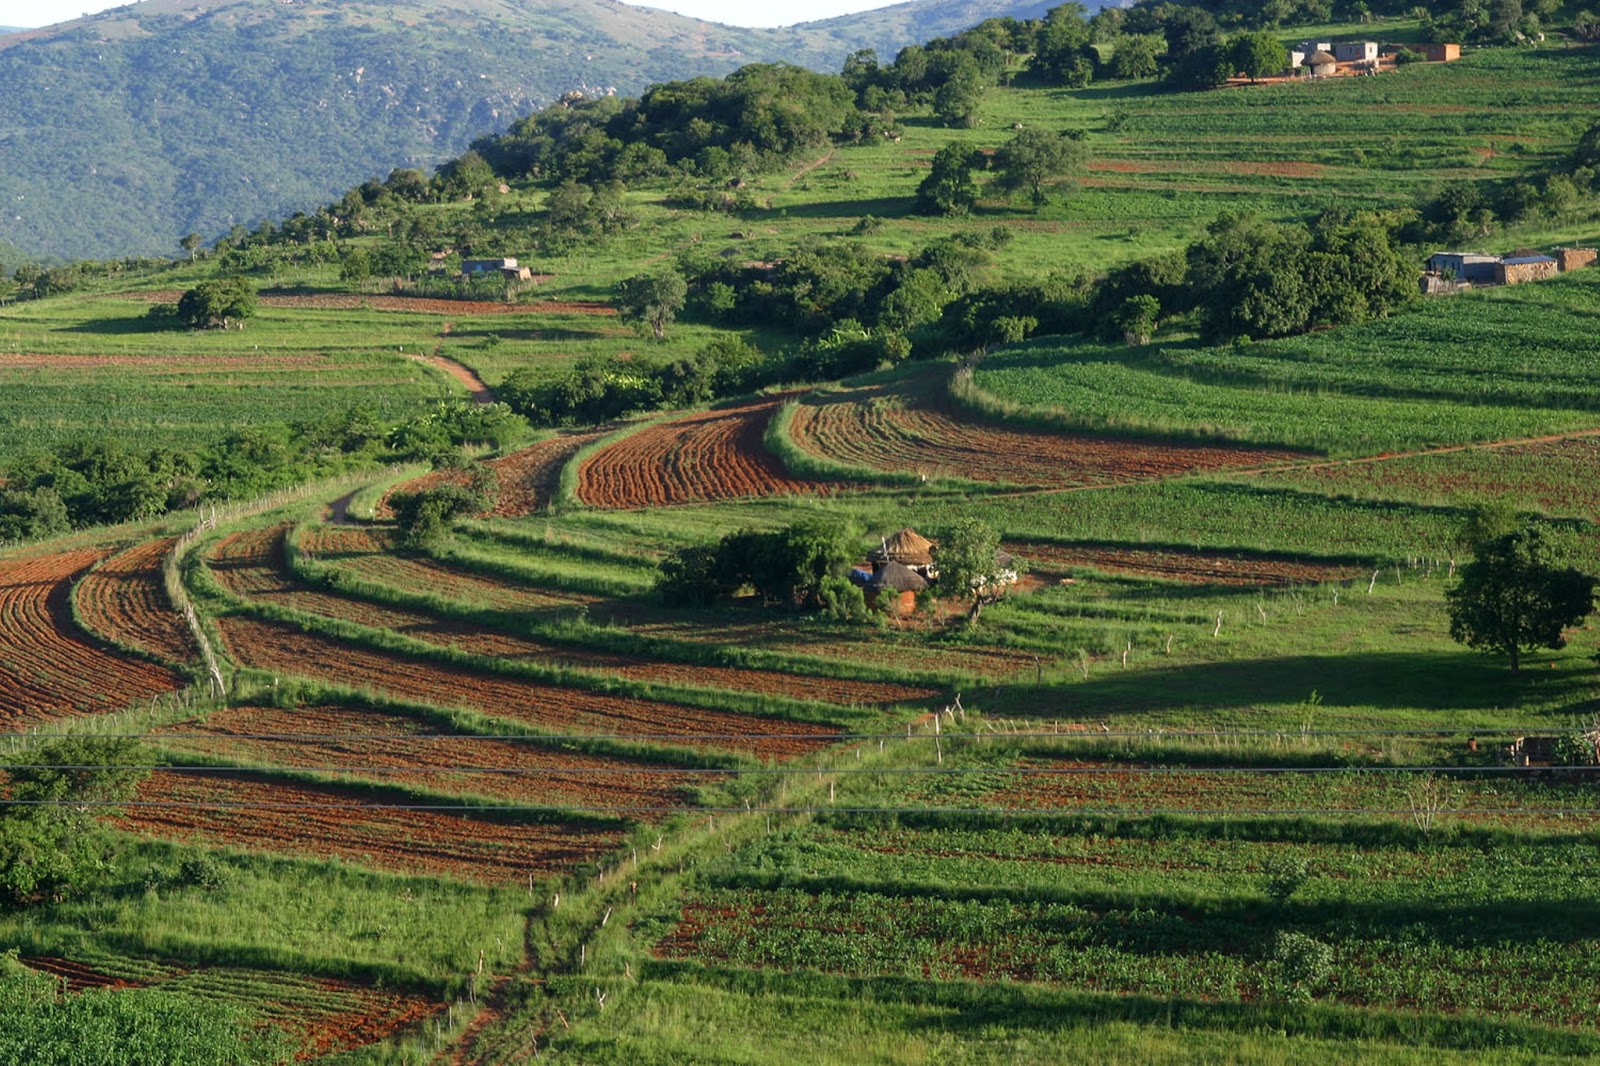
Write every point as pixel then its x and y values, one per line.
pixel 1297 57
pixel 1356 51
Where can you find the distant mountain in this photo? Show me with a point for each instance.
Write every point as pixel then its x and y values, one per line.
pixel 122 131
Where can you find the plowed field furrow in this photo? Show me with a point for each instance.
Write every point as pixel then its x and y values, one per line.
pixel 1192 567
pixel 391 742
pixel 125 601
pixel 281 648
pixel 250 564
pixel 329 822
pixel 717 455
pixel 369 553
pixel 76 975
pixel 48 668
pixel 528 477
pixel 911 428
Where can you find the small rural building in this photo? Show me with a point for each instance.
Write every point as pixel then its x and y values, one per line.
pixel 1514 270
pixel 1439 285
pixel 1356 52
pixel 1315 46
pixel 506 267
pixel 1477 268
pixel 908 548
pixel 1573 258
pixel 1322 65
pixel 1297 58
pixel 894 586
pixel 1440 53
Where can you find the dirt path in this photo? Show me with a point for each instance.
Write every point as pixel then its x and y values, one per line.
pixel 338 512
pixel 480 392
pixel 809 167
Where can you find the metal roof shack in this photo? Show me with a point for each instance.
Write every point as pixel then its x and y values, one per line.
pixel 1477 268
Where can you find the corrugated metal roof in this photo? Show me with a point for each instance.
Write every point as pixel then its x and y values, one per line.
pixel 1527 259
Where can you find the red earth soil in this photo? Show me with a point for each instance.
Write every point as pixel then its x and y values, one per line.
pixel 48 667
pixel 284 649
pixel 910 427
pixel 323 1016
pixel 370 553
pixel 125 601
pixel 346 737
pixel 420 304
pixel 716 455
pixel 76 975
pixel 250 564
pixel 328 822
pixel 1192 567
pixel 367 1016
pixel 528 477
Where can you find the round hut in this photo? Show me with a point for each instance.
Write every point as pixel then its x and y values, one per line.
pixel 894 586
pixel 1322 65
pixel 908 548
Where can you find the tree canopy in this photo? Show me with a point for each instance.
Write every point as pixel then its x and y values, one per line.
pixel 652 300
pixel 1033 158
pixel 1516 595
pixel 222 303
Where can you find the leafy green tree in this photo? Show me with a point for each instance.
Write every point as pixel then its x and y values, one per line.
pixel 949 189
pixel 1061 53
pixel 1033 158
pixel 788 566
pixel 191 243
pixel 51 845
pixel 1135 57
pixel 219 303
pixel 27 514
pixel 1137 318
pixel 1586 24
pixel 652 300
pixel 691 577
pixel 1516 595
pixel 1257 55
pixel 969 564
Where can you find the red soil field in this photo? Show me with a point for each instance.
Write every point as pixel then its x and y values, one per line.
pixel 370 554
pixel 125 601
pixel 1192 567
pixel 76 975
pixel 325 821
pixel 911 427
pixel 248 565
pixel 48 668
pixel 528 477
pixel 716 455
pixel 323 1016
pixel 389 741
pixel 284 649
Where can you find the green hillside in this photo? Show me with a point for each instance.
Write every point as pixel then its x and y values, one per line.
pixel 126 130
pixel 557 725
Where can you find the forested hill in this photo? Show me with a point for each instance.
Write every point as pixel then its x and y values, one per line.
pixel 122 132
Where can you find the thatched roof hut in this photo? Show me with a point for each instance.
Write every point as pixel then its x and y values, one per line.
pixel 907 547
pixel 897 577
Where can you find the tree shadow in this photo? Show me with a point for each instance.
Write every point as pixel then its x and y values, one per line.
pixel 1434 681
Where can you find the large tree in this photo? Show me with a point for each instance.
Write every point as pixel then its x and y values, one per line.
pixel 1256 55
pixel 1517 595
pixel 220 303
pixel 971 566
pixel 652 300
pixel 1033 157
pixel 949 189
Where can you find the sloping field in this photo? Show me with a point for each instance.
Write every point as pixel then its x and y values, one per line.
pixel 528 477
pixel 250 564
pixel 284 649
pixel 324 821
pixel 716 455
pixel 1172 564
pixel 124 600
pixel 370 554
pixel 909 427
pixel 415 304
pixel 47 667
pixel 323 1015
pixel 342 737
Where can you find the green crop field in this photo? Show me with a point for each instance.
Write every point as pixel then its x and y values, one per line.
pixel 1211 782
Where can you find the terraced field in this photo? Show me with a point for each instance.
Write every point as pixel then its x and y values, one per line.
pixel 123 601
pixel 717 455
